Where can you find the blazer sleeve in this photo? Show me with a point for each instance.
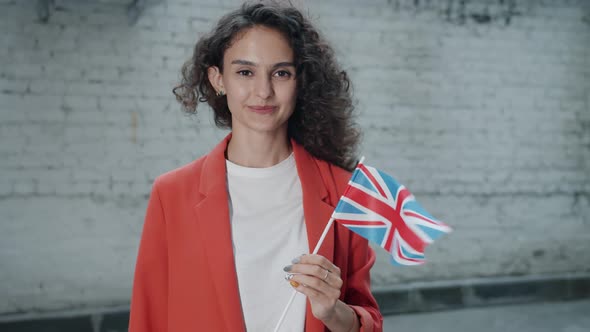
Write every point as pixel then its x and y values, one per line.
pixel 149 309
pixel 358 293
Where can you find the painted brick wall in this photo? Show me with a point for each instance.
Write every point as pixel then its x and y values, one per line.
pixel 482 108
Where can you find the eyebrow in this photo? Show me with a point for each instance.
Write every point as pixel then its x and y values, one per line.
pixel 253 64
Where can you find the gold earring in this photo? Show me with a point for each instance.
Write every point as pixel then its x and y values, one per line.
pixel 220 93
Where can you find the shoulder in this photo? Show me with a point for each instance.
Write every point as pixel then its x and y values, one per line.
pixel 191 172
pixel 200 174
pixel 182 178
pixel 340 173
pixel 337 172
pixel 333 174
pixel 326 167
pixel 341 178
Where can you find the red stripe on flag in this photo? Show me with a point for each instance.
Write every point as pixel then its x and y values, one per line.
pixel 421 217
pixel 401 197
pixel 362 223
pixel 372 179
pixel 401 254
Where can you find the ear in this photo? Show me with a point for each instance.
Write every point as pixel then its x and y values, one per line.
pixel 215 78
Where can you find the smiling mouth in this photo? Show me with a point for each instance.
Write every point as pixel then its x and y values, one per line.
pixel 262 109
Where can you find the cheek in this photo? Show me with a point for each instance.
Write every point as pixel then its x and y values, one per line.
pixel 236 94
pixel 237 88
pixel 289 94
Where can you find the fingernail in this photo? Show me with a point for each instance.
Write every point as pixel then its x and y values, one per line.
pixel 294 283
pixel 288 276
pixel 296 260
pixel 287 268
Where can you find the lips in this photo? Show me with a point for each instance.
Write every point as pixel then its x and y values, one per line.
pixel 262 109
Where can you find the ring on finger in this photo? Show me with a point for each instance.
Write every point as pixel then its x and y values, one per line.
pixel 326 276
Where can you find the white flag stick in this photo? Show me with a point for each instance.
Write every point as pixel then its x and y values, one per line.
pixel 315 251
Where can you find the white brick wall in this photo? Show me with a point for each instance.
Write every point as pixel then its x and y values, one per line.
pixel 487 123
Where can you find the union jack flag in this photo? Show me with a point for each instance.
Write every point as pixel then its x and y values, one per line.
pixel 377 207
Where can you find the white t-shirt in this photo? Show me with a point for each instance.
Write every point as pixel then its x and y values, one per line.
pixel 268 231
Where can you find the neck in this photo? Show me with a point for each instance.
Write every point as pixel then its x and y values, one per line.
pixel 258 150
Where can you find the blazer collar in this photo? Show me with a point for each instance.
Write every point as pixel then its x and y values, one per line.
pixel 211 207
pixel 213 176
pixel 316 207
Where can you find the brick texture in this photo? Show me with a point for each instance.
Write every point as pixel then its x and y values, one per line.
pixel 482 108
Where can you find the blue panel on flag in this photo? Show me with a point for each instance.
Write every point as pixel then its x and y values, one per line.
pixel 394 262
pixel 361 179
pixel 390 182
pixel 410 255
pixel 345 207
pixel 374 234
pixel 431 232
pixel 414 206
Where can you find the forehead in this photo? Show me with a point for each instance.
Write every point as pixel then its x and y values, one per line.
pixel 259 44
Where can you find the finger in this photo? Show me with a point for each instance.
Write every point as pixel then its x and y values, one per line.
pixel 312 270
pixel 321 261
pixel 331 278
pixel 319 286
pixel 307 291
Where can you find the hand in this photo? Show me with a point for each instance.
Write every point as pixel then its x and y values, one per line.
pixel 318 279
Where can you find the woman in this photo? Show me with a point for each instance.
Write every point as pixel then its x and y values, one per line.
pixel 221 232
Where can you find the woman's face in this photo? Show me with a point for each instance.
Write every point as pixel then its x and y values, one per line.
pixel 259 81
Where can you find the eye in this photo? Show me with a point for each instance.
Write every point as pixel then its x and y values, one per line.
pixel 245 72
pixel 283 74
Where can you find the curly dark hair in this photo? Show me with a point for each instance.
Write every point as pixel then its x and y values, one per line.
pixel 323 119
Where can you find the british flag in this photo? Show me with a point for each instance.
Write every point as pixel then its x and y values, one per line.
pixel 377 207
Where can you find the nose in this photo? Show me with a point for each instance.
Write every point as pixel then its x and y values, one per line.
pixel 263 87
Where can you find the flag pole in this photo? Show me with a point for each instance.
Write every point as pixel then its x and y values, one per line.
pixel 315 251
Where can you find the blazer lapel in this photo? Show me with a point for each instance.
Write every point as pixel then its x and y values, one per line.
pixel 317 212
pixel 212 213
pixel 316 207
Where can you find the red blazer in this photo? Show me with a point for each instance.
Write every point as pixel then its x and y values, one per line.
pixel 185 277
